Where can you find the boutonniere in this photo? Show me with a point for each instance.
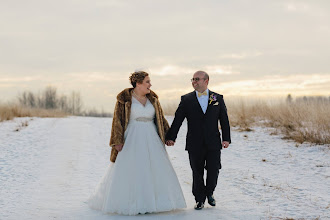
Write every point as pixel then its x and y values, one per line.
pixel 212 98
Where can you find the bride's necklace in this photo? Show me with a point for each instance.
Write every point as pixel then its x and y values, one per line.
pixel 139 97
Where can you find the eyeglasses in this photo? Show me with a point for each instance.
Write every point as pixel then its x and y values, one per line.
pixel 196 79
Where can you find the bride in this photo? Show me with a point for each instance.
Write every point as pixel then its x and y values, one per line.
pixel 141 178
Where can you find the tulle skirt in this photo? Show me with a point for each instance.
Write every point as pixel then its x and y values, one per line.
pixel 142 180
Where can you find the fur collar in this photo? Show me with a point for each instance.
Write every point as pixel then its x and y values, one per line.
pixel 126 96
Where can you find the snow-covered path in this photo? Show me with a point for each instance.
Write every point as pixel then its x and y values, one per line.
pixel 49 168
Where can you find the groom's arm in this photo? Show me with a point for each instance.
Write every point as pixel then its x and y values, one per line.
pixel 180 115
pixel 224 121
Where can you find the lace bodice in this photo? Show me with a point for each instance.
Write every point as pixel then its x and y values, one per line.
pixel 140 112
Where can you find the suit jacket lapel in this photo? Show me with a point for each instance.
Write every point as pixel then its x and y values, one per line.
pixel 196 102
pixel 208 100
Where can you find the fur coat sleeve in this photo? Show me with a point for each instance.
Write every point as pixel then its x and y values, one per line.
pixel 164 122
pixel 117 130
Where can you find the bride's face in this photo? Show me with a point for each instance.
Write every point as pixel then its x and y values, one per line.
pixel 144 87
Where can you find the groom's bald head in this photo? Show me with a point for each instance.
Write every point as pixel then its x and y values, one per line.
pixel 205 75
pixel 200 81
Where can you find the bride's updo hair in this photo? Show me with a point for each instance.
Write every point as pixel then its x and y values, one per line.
pixel 137 77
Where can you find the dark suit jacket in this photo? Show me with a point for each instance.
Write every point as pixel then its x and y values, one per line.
pixel 203 129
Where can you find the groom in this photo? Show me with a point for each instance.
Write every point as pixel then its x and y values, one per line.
pixel 203 109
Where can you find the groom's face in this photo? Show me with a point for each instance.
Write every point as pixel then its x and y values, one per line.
pixel 201 84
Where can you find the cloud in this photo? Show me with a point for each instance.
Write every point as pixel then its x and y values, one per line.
pixel 171 70
pixel 297 7
pixel 19 79
pixel 278 86
pixel 312 8
pixel 95 77
pixel 220 70
pixel 243 55
pixel 7 85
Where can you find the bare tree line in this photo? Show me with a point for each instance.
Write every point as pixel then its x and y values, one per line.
pixel 49 99
pixel 308 99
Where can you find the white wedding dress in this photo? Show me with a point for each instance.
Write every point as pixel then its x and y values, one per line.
pixel 142 180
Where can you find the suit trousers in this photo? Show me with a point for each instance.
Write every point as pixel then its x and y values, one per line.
pixel 209 160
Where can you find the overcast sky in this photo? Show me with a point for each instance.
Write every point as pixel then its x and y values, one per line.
pixel 250 48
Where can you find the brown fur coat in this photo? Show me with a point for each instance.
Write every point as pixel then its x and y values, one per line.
pixel 121 117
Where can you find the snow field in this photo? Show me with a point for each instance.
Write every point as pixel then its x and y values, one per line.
pixel 50 167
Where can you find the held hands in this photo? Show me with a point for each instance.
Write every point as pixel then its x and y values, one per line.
pixel 169 143
pixel 225 144
pixel 119 147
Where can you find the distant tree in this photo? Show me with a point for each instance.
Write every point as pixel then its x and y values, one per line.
pixel 289 98
pixel 31 100
pixel 305 99
pixel 63 103
pixel 40 101
pixel 50 97
pixel 75 103
pixel 23 99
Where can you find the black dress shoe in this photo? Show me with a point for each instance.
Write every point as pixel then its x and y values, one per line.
pixel 211 200
pixel 199 205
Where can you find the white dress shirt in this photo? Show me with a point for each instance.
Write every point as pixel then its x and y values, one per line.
pixel 203 100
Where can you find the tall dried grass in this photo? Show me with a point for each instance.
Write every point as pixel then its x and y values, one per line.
pixel 170 108
pixel 8 112
pixel 301 121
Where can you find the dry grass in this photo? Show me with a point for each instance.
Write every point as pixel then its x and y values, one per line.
pixel 170 108
pixel 8 112
pixel 299 121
